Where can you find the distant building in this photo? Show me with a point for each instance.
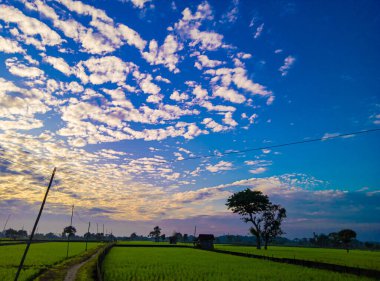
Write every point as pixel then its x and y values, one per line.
pixel 205 241
pixel 173 240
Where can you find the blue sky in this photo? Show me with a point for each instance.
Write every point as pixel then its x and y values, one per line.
pixel 116 94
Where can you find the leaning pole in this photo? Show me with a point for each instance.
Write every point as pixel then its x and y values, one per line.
pixel 34 228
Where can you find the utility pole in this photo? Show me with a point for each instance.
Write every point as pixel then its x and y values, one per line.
pixel 34 227
pixel 195 232
pixel 88 234
pixel 103 233
pixel 97 231
pixel 6 222
pixel 68 236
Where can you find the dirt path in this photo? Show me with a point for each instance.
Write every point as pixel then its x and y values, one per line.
pixel 72 271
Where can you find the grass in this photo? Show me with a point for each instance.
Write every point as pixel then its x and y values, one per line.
pixel 40 257
pixel 87 271
pixel 157 264
pixel 355 258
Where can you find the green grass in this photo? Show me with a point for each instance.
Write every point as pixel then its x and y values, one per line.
pixel 40 257
pixel 355 258
pixel 157 264
pixel 87 271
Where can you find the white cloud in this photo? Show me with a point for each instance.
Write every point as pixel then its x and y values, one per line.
pixel 178 97
pixel 10 46
pixel 238 76
pixel 211 107
pixel 214 126
pixel 210 41
pixel 204 61
pixel 109 37
pixel 251 119
pixel 162 79
pixel 34 32
pixel 102 70
pixel 19 69
pixel 91 42
pixel 18 111
pixel 228 94
pixel 220 166
pixel 118 98
pixel 329 135
pixel 166 54
pixel 232 14
pixel 200 93
pixel 257 171
pixel 148 87
pixel 243 55
pixel 189 26
pixel 259 30
pixel 154 98
pixel 376 119
pixel 288 62
pixel 59 64
pixel 139 3
pixel 228 120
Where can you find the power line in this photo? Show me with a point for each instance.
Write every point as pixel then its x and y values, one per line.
pixel 276 145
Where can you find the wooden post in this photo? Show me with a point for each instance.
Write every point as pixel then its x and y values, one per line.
pixel 88 233
pixel 34 228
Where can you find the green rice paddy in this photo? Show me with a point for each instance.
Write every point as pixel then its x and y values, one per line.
pixel 156 264
pixel 169 263
pixel 40 256
pixel 355 258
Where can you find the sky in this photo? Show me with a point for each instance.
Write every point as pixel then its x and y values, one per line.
pixel 119 95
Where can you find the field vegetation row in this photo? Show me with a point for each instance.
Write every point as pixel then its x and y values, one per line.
pixel 40 256
pixel 155 264
pixel 355 258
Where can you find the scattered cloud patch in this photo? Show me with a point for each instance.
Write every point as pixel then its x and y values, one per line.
pixel 288 63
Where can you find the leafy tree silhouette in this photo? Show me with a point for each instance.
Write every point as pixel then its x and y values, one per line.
pixel 155 233
pixel 346 236
pixel 255 207
pixel 69 230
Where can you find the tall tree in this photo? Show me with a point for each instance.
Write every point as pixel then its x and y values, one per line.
pixel 69 230
pixel 346 236
pixel 250 205
pixel 272 219
pixel 334 239
pixel 155 233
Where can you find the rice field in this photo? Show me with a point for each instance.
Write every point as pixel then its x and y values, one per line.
pixel 156 264
pixel 355 258
pixel 40 256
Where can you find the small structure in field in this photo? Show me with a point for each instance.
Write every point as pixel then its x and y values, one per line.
pixel 205 241
pixel 173 240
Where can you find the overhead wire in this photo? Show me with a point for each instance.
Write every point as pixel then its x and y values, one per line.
pixel 276 145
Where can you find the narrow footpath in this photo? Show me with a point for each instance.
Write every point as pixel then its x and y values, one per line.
pixel 72 271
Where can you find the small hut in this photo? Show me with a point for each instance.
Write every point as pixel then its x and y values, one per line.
pixel 173 240
pixel 205 241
